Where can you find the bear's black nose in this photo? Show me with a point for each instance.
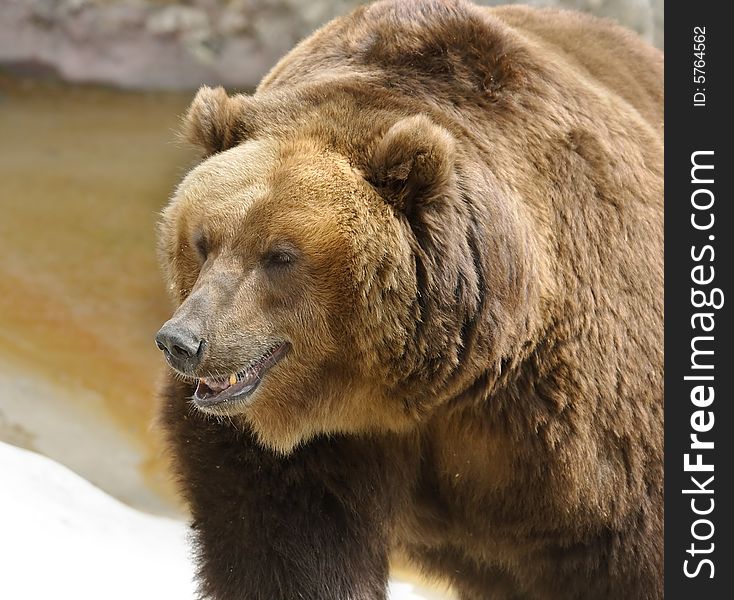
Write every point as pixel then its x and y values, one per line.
pixel 182 347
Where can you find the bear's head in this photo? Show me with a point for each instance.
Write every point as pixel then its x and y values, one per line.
pixel 302 275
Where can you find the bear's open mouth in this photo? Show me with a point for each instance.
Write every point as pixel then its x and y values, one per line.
pixel 212 391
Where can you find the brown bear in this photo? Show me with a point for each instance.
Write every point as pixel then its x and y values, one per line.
pixel 419 287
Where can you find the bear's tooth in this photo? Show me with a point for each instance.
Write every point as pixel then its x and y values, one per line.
pixel 232 379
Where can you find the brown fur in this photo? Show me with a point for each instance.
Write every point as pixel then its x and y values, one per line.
pixel 471 200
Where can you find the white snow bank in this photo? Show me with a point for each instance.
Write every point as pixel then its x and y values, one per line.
pixel 63 538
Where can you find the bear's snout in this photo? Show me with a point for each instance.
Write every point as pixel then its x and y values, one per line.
pixel 182 347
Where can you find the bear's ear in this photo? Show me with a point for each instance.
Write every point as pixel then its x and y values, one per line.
pixel 216 121
pixel 413 162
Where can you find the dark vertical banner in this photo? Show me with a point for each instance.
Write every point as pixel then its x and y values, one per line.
pixel 699 297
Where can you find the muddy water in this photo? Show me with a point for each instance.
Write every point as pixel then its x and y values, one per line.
pixel 83 174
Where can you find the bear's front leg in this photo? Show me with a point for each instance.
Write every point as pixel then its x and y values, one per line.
pixel 312 525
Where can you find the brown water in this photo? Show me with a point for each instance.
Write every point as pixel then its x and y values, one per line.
pixel 84 173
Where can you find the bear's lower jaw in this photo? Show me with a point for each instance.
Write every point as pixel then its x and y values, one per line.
pixel 212 393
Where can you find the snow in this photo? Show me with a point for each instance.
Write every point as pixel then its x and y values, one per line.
pixel 63 538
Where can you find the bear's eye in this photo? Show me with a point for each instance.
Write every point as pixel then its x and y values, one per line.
pixel 202 245
pixel 279 257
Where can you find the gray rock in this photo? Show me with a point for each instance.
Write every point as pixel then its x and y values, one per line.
pixel 163 44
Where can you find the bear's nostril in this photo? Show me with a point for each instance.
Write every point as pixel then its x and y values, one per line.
pixel 180 352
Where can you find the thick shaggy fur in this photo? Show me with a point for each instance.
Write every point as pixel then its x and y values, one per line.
pixel 470 200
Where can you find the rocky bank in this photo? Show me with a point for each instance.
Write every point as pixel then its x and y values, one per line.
pixel 162 44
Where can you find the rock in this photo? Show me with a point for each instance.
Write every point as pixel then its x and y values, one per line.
pixel 176 20
pixel 160 44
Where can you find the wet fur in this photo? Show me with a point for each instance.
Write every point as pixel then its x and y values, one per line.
pixel 488 397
